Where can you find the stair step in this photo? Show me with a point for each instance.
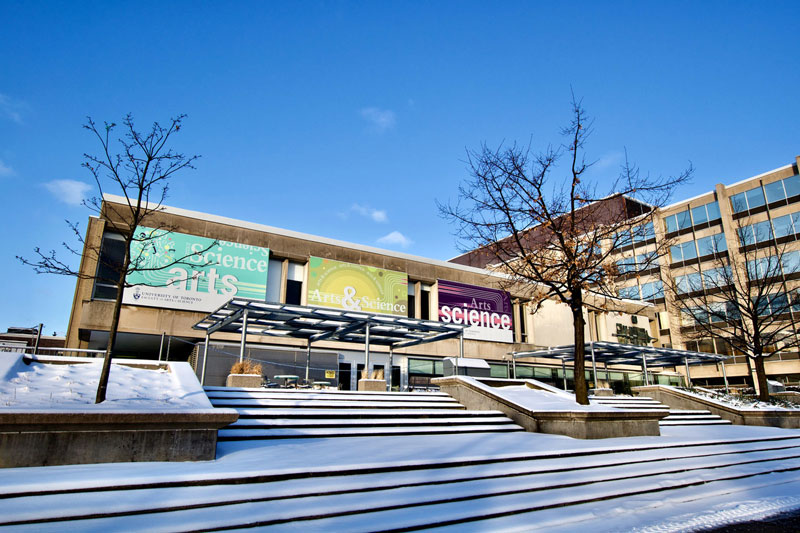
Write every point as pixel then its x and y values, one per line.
pixel 719 422
pixel 322 404
pixel 271 412
pixel 362 422
pixel 290 433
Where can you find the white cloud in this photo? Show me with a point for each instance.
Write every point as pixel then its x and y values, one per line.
pixel 6 170
pixel 69 191
pixel 395 238
pixel 610 159
pixel 377 215
pixel 380 119
pixel 11 109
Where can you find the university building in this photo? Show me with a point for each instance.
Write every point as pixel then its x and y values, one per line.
pixel 263 263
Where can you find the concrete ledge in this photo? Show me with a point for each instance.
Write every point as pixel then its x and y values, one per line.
pixel 678 399
pixel 581 424
pixel 42 438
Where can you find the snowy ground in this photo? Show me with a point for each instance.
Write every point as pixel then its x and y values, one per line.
pixel 39 385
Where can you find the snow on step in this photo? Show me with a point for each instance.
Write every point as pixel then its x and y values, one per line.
pixel 228 434
pixel 470 500
pixel 215 390
pixel 355 398
pixel 341 422
pixel 329 403
pixel 299 412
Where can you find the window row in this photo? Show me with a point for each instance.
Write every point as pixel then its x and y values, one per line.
pixel 700 248
pixel 715 312
pixel 769 267
pixel 713 278
pixel 647 291
pixel 692 217
pixel 637 235
pixel 764 231
pixel 772 192
pixel 637 263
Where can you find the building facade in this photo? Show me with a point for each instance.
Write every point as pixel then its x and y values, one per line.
pixel 243 259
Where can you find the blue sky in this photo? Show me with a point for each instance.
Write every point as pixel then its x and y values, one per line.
pixel 349 119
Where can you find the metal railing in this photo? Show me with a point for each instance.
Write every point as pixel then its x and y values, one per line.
pixel 33 350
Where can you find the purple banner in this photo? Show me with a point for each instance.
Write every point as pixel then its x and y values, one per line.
pixel 486 312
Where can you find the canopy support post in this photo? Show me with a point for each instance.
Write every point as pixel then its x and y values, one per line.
pixel 461 344
pixel 725 377
pixel 244 336
pixel 366 353
pixel 308 358
pixel 644 370
pixel 594 363
pixel 688 375
pixel 391 361
pixel 205 360
pixel 564 371
pixel 161 346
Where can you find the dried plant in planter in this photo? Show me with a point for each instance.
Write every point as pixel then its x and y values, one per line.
pixel 246 367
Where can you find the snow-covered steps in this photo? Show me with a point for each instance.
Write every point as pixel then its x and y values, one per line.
pixel 676 417
pixel 692 417
pixel 459 492
pixel 291 414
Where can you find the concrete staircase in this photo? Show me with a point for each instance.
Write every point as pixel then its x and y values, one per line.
pixel 677 417
pixel 460 494
pixel 291 414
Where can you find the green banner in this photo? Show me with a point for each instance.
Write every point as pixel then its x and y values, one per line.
pixel 356 287
pixel 180 271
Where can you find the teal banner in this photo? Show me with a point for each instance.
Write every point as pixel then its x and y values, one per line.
pixel 180 271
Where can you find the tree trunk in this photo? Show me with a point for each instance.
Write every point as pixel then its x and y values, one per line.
pixel 102 386
pixel 761 374
pixel 581 390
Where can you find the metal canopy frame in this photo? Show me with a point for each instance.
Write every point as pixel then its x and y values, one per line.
pixel 255 317
pixel 613 353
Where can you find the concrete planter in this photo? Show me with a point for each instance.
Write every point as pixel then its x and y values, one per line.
pixel 36 438
pixel 375 385
pixel 250 381
pixel 580 424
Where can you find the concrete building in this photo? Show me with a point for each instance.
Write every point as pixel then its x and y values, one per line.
pixel 277 265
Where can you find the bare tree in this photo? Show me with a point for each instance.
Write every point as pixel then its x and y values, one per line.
pixel 539 218
pixel 138 166
pixel 741 297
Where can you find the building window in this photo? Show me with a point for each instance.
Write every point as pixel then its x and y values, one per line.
pixel 748 200
pixel 411 300
pixel 425 301
pixel 783 189
pixel 274 280
pixel 759 232
pixel 294 283
pixel 522 319
pixel 653 290
pixel 692 217
pixel 112 254
pixel 683 251
pixel 711 245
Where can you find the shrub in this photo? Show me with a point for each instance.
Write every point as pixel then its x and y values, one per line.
pixel 247 366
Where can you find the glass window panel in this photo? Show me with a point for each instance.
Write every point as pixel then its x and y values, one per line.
pixel 631 293
pixel 720 244
pixel 792 186
pixel 796 221
pixel 524 372
pixel 791 262
pixel 699 215
pixel 745 235
pixel 498 371
pixel 755 197
pixel 643 233
pixel 104 292
pixel 653 290
pixel 438 367
pixel 796 300
pixel 672 223
pixel 420 366
pixel 274 269
pixel 762 231
pixel 676 253
pixel 774 191
pixel 783 226
pixel 705 246
pixel 689 250
pixel 778 303
pixel 684 220
pixel 738 203
pixel 713 211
